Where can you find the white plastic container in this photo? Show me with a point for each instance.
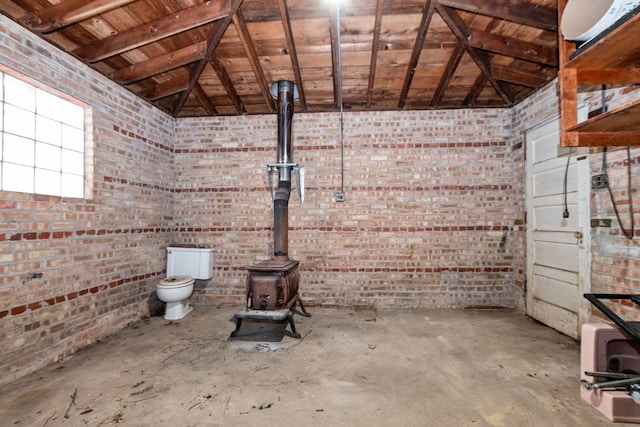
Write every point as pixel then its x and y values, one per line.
pixel 584 19
pixel 193 262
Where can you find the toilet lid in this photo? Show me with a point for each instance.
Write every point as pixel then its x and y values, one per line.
pixel 176 281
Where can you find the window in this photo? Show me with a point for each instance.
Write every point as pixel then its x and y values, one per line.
pixel 42 141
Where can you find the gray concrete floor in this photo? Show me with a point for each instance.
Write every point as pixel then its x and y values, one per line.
pixel 351 368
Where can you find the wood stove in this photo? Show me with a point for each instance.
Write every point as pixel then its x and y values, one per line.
pixel 272 286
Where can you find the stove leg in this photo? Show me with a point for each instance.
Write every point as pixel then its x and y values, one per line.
pixel 304 311
pixel 238 324
pixel 292 324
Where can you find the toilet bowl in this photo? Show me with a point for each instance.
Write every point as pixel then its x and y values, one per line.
pixel 175 291
pixel 185 264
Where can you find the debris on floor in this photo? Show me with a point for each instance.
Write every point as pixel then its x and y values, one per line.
pixel 437 367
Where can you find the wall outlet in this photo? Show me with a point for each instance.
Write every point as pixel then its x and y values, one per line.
pixel 339 196
pixel 599 181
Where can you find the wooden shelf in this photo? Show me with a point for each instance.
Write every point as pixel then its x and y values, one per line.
pixel 618 47
pixel 611 58
pixel 625 118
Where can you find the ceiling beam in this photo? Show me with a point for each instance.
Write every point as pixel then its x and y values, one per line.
pixel 374 51
pixel 225 79
pixel 68 12
pixel 162 90
pixel 518 77
pixel 204 100
pixel 252 55
pixel 514 48
pixel 160 64
pixel 518 11
pixel 293 54
pixel 448 73
pixel 360 9
pixel 214 38
pixel 427 14
pixel 476 90
pixel 155 30
pixel 459 29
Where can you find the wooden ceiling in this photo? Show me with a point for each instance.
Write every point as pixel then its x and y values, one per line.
pixel 219 57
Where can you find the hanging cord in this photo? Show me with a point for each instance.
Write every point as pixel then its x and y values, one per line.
pixel 629 234
pixel 565 213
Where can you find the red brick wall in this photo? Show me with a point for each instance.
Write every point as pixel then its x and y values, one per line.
pixel 101 256
pixel 430 196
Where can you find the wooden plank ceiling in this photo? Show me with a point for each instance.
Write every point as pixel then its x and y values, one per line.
pixel 219 57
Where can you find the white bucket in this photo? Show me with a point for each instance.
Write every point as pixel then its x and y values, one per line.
pixel 584 19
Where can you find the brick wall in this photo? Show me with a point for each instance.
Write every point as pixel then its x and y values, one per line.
pixel 615 259
pixel 101 256
pixel 432 198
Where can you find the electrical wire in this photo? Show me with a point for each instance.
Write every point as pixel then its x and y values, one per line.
pixel 340 97
pixel 629 234
pixel 565 212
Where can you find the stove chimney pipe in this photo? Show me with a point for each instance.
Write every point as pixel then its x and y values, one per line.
pixel 285 91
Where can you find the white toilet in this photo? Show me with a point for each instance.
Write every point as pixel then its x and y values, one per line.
pixel 184 266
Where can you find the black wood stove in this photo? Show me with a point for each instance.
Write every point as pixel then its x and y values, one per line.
pixel 272 286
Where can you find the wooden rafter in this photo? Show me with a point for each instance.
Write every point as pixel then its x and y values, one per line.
pixel 448 73
pixel 167 50
pixel 509 46
pixel 293 54
pixel 214 38
pixel 476 90
pixel 225 79
pixel 518 77
pixel 374 51
pixel 249 49
pixel 155 30
pixel 67 13
pixel 417 50
pixel 459 29
pixel 165 89
pixel 160 64
pixel 204 100
pixel 512 10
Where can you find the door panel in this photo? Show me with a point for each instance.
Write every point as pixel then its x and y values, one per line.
pixel 557 253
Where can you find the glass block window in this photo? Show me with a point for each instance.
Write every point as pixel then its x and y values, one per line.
pixel 42 141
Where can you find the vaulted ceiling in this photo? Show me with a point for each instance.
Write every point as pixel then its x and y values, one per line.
pixel 219 57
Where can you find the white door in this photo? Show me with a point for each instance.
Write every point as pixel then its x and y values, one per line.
pixel 558 261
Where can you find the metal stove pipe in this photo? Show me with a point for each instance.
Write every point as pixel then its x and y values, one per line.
pixel 286 92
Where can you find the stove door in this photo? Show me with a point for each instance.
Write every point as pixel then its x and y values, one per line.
pixel 265 292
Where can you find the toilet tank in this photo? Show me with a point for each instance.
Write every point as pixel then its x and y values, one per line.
pixel 194 262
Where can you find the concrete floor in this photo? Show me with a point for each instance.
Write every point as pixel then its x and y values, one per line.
pixel 351 368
